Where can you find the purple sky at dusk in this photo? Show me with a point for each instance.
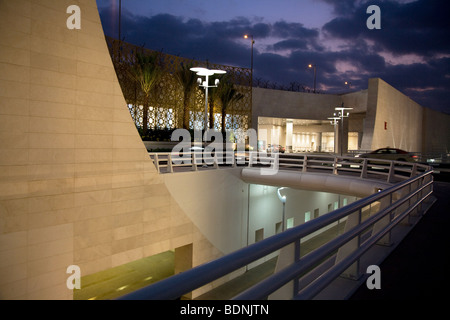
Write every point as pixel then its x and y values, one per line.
pixel 411 51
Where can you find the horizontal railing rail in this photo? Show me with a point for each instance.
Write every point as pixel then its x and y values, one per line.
pixel 397 203
pixel 391 171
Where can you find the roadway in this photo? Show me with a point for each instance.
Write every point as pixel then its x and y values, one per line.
pixel 418 268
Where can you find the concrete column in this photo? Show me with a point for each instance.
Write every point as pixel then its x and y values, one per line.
pixel 285 259
pixel 353 271
pixel 289 130
pixel 319 141
pixel 342 137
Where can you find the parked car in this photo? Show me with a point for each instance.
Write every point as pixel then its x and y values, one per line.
pixel 275 148
pixel 390 154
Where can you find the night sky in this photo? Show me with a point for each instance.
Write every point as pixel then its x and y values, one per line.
pixel 411 51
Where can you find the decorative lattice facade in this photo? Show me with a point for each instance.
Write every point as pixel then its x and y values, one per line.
pixel 166 99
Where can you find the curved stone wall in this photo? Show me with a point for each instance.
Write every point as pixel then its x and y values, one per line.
pixel 77 186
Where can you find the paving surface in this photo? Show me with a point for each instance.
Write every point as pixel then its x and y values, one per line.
pixel 419 267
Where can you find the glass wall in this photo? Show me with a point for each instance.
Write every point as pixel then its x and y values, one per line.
pixel 268 215
pixel 300 135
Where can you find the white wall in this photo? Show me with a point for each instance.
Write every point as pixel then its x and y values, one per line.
pixel 216 202
pixel 266 209
pixel 222 217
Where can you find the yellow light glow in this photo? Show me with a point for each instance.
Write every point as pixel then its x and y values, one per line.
pixel 121 288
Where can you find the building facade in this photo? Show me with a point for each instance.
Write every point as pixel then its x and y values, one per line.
pixel 77 186
pixel 380 116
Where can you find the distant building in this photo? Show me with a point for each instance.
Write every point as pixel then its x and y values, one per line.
pixel 381 116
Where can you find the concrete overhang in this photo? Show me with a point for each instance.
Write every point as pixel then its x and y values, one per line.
pixel 339 184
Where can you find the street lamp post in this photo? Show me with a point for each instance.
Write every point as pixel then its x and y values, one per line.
pixel 205 84
pixel 251 62
pixel 342 114
pixel 348 84
pixel 315 72
pixel 120 20
pixel 283 201
pixel 334 122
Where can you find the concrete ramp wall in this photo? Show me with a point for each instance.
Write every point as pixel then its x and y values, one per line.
pixel 353 186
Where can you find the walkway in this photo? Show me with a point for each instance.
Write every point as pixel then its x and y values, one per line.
pixel 405 274
pixel 418 268
pixel 255 275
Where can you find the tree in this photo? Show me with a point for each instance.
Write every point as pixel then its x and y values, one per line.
pixel 146 71
pixel 213 96
pixel 227 94
pixel 188 81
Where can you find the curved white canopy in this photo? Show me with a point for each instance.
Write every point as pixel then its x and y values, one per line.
pixel 206 72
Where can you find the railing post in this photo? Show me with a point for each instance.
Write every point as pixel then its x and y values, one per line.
pixel 169 163
pixel 286 257
pixel 250 159
pixel 351 272
pixel 233 159
pixel 216 161
pixel 413 170
pixel 335 165
pixel 296 287
pixel 194 161
pixel 364 169
pixel 156 162
pixel 391 172
pixel 383 222
pixel 305 163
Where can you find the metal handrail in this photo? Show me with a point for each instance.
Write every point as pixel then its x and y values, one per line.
pixel 178 285
pixel 388 170
pixel 270 284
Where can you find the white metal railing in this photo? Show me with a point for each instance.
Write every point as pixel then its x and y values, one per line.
pixel 403 201
pixel 390 171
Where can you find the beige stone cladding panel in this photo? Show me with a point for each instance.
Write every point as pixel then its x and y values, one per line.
pixel 76 183
pixel 398 121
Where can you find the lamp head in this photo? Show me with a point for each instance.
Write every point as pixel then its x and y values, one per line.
pixel 280 197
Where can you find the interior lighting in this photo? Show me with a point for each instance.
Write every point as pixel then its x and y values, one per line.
pixel 121 288
pixel 282 198
pixel 283 201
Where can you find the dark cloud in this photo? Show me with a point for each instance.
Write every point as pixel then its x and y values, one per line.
pixel 343 7
pixel 420 29
pixel 296 30
pixel 343 50
pixel 290 44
